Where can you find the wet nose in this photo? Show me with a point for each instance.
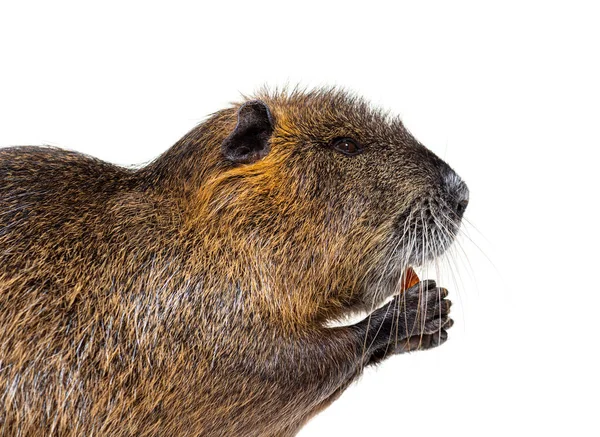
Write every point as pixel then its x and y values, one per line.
pixel 461 196
pixel 461 207
pixel 458 190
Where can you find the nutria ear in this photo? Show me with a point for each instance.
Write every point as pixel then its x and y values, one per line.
pixel 249 141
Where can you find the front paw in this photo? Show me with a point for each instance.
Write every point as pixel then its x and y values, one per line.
pixel 423 309
pixel 415 320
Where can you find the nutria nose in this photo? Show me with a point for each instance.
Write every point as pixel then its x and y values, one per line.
pixel 461 196
pixel 461 207
pixel 458 191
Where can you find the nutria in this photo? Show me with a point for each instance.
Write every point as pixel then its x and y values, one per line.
pixel 191 296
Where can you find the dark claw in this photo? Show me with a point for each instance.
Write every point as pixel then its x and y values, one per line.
pixel 446 304
pixel 443 292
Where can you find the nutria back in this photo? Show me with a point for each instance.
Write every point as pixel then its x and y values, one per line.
pixel 191 296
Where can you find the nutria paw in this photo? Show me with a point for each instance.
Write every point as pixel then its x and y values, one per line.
pixel 415 320
pixel 422 309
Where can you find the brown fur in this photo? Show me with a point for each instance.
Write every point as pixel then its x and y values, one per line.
pixel 188 297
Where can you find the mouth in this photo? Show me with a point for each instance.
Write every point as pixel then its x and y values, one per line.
pixel 423 234
pixel 420 237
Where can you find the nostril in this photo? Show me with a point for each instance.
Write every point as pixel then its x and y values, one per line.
pixel 461 207
pixel 457 190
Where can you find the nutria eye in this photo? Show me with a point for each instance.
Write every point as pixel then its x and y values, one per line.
pixel 347 146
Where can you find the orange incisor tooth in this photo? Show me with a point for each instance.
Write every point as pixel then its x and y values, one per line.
pixel 409 279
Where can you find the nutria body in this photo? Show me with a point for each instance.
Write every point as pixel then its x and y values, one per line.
pixel 189 297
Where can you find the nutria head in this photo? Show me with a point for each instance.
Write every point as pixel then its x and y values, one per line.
pixel 321 200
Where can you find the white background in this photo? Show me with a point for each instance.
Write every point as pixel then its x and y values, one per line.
pixel 508 94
